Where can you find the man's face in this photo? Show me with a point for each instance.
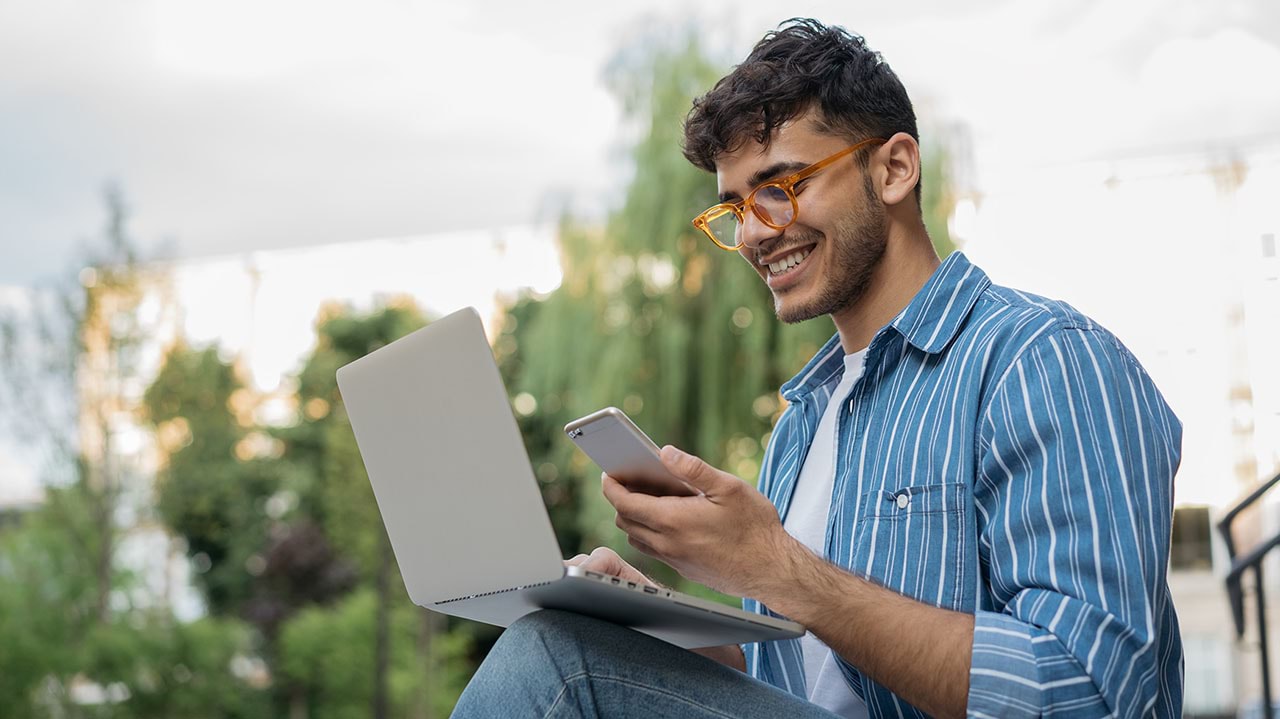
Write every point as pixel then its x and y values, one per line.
pixel 840 231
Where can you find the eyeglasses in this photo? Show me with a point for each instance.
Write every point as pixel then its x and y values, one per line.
pixel 773 202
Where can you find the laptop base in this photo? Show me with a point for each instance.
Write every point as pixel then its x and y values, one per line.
pixel 680 619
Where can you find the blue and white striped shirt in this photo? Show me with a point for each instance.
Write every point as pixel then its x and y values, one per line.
pixel 1002 455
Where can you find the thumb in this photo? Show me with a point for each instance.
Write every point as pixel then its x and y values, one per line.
pixel 700 475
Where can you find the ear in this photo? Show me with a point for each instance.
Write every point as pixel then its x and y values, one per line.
pixel 896 165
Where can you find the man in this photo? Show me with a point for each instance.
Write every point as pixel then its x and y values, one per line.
pixel 968 498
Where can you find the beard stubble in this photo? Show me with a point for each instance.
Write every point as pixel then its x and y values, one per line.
pixel 859 240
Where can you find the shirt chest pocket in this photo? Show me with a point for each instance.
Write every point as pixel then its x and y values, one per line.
pixel 912 540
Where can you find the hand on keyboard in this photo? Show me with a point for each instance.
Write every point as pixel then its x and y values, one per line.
pixel 606 561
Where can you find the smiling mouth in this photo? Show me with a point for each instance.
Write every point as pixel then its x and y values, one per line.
pixel 788 263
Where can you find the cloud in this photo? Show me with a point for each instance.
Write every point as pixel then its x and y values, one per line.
pixel 1218 86
pixel 242 125
pixel 235 127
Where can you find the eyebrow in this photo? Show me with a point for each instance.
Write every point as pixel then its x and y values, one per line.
pixel 769 173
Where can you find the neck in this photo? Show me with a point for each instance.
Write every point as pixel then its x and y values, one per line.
pixel 909 260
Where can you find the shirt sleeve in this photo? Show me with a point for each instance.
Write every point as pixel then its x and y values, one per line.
pixel 1075 498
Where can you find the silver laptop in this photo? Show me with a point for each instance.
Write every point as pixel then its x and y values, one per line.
pixel 462 507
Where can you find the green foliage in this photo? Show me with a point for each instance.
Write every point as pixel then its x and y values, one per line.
pixel 172 669
pixel 659 321
pixel 938 201
pixel 46 598
pixel 206 495
pixel 655 319
pixel 281 523
pixel 329 479
pixel 285 522
pixel 328 655
pixel 53 638
pixel 221 473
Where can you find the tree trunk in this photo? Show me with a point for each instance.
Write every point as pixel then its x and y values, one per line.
pixel 381 645
pixel 427 623
pixel 298 702
pixel 102 498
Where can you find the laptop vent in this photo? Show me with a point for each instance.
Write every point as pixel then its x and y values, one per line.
pixel 489 594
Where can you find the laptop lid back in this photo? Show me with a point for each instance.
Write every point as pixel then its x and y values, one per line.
pixel 447 463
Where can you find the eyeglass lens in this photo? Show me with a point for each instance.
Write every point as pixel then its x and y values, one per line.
pixel 771 204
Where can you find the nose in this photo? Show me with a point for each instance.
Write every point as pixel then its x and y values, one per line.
pixel 755 233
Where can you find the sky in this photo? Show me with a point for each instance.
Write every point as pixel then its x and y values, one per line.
pixel 249 125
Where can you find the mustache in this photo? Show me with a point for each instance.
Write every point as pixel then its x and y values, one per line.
pixel 794 242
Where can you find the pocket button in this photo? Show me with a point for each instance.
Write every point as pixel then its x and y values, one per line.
pixel 903 500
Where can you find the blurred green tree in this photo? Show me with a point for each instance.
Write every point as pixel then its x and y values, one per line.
pixel 283 523
pixel 47 603
pixel 653 318
pixel 938 198
pixel 225 478
pixel 64 365
pixel 165 669
pixel 82 632
pixel 661 323
pixel 336 491
pixel 61 659
pixel 328 654
pixel 206 493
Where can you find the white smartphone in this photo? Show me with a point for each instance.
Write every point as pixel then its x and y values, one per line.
pixel 616 444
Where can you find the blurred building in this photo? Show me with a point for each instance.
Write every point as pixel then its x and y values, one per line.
pixel 12 510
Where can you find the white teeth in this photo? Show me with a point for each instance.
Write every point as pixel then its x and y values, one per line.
pixel 788 262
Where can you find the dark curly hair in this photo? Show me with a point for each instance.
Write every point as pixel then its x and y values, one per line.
pixel 802 65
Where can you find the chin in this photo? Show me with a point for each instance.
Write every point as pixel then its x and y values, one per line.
pixel 793 310
pixel 792 307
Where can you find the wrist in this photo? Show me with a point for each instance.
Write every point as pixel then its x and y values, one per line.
pixel 802 585
pixel 782 569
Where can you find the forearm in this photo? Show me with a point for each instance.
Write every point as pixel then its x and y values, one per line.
pixel 729 655
pixel 917 651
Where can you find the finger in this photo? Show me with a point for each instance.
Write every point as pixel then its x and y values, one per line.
pixel 637 530
pixel 637 506
pixel 575 560
pixel 603 560
pixel 625 524
pixel 645 548
pixel 607 561
pixel 700 475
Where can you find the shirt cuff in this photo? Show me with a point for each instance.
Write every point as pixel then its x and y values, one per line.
pixel 1018 669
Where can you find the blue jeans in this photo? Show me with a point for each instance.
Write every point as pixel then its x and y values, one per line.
pixel 558 664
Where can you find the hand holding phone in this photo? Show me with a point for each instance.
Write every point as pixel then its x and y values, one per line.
pixel 616 444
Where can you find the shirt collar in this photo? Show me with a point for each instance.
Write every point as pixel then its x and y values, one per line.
pixel 935 315
pixel 929 322
pixel 824 365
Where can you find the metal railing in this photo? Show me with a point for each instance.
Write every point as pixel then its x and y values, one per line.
pixel 1235 592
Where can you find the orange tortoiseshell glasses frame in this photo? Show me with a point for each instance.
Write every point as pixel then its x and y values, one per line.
pixel 786 185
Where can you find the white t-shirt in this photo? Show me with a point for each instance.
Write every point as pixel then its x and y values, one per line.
pixel 807 522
